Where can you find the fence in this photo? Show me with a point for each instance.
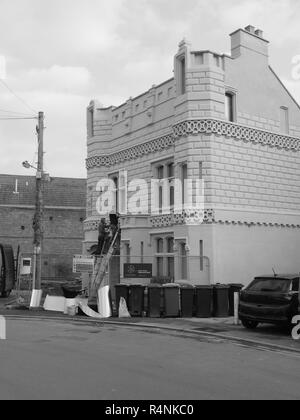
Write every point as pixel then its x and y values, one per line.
pixel 160 269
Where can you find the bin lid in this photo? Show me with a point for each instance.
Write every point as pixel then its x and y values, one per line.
pixel 204 287
pixel 171 285
pixel 154 286
pixel 122 285
pixel 184 285
pixel 221 286
pixel 136 285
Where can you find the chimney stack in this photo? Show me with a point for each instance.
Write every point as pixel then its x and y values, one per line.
pixel 250 29
pixel 249 40
pixel 259 33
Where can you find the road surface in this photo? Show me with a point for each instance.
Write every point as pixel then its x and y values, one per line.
pixel 65 360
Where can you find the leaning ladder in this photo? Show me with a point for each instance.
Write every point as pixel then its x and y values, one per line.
pixel 102 264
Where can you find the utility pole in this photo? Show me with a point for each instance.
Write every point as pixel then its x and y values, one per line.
pixel 39 208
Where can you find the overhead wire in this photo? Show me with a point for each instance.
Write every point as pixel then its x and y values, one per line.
pixel 18 97
pixel 14 113
pixel 17 118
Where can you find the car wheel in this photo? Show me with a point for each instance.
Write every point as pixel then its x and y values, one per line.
pixel 6 294
pixel 250 325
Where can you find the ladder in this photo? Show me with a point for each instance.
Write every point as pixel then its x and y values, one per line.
pixel 102 264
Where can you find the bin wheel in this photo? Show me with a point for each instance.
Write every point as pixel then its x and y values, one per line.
pixel 250 325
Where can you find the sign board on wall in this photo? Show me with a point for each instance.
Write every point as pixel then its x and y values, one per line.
pixel 25 269
pixel 83 264
pixel 137 271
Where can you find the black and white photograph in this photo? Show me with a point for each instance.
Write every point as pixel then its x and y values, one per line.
pixel 149 203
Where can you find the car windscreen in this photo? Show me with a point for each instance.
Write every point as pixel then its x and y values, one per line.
pixel 270 285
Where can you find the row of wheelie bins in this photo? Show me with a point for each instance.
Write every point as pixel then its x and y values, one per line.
pixel 175 300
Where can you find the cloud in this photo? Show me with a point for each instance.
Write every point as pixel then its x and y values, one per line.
pixel 56 78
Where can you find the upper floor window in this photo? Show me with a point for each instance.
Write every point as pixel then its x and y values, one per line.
pixel 120 191
pixel 284 120
pixel 230 107
pixel 90 122
pixel 164 187
pixel 181 75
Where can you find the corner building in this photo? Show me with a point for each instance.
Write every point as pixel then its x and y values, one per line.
pixel 230 121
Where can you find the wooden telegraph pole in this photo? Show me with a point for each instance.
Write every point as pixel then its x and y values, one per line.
pixel 39 207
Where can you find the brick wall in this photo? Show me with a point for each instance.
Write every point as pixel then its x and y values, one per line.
pixel 63 235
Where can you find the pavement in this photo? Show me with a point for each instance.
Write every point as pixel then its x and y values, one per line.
pixel 266 336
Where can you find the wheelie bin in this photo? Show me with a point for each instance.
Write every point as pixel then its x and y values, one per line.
pixel 204 301
pixel 171 300
pixel 187 294
pixel 221 301
pixel 136 300
pixel 154 300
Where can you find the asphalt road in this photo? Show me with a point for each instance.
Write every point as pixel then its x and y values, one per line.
pixel 65 360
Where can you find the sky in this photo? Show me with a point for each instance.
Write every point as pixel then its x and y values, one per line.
pixel 61 54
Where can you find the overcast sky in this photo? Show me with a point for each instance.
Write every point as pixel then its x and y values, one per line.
pixel 60 54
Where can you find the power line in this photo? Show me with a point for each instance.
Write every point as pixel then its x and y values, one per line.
pixel 18 97
pixel 14 113
pixel 17 118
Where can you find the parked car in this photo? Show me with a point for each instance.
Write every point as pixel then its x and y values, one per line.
pixel 270 299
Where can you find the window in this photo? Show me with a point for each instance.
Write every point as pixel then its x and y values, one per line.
pixel 201 256
pixel 90 122
pixel 116 193
pixel 160 258
pixel 200 170
pixel 142 252
pixel 181 76
pixel 127 253
pixel 120 192
pixel 271 285
pixel 170 258
pixel 171 185
pixel 165 262
pixel 184 177
pixel 160 176
pixel 183 260
pixel 159 246
pixel 165 187
pixel 230 107
pixel 284 120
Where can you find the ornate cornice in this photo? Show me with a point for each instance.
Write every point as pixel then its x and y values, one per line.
pixel 238 132
pixel 153 146
pixel 195 218
pixel 193 128
pixel 187 217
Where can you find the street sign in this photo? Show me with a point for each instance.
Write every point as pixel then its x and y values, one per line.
pixel 138 271
pixel 83 264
